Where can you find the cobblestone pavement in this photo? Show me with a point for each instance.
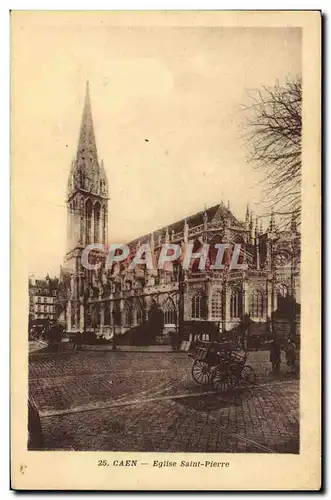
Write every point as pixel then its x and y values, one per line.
pixel 149 402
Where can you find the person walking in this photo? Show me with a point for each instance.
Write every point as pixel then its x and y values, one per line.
pixel 275 356
pixel 290 355
pixel 245 331
pixel 77 340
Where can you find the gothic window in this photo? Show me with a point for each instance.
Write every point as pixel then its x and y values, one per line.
pixel 197 306
pixel 97 210
pixel 139 314
pixel 213 251
pixel 238 240
pixel 170 313
pixel 117 313
pixel 88 219
pixel 216 305
pixel 95 315
pixel 127 315
pixel 236 304
pixel 78 316
pixel 167 277
pixel 282 291
pixel 107 314
pixel 282 299
pixel 256 304
pixel 73 317
pixel 194 263
pixel 104 225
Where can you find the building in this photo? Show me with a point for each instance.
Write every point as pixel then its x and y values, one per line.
pixel 104 301
pixel 42 298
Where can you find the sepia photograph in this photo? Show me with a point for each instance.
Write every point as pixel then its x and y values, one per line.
pixel 157 185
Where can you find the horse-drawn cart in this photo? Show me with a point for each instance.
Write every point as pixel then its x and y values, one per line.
pixel 220 365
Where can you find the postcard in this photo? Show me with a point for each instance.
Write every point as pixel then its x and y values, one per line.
pixel 166 250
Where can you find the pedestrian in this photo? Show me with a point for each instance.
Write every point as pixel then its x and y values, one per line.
pixel 245 331
pixel 173 340
pixel 58 336
pixel 275 356
pixel 76 341
pixel 290 355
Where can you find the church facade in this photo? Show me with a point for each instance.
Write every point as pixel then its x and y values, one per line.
pixel 118 300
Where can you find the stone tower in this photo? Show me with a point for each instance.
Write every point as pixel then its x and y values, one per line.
pixel 87 211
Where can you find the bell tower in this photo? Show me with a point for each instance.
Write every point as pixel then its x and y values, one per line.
pixel 87 192
pixel 87 210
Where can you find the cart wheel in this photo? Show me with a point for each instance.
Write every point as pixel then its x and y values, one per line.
pixel 222 381
pixel 248 375
pixel 200 372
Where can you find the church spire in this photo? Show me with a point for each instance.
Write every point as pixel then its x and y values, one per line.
pixel 87 149
pixel 87 173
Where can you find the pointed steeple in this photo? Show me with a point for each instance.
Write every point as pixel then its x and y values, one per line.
pixel 151 241
pixel 256 227
pixel 272 224
pixel 87 149
pixel 186 231
pixel 247 214
pixel 87 173
pixel 205 219
pixel 247 217
pixel 251 228
pixel 166 237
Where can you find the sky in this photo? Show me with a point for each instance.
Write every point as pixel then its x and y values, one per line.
pixel 166 105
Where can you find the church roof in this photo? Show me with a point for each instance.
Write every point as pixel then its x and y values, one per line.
pixel 216 213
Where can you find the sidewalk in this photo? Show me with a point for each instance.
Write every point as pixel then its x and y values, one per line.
pixel 129 348
pixel 35 346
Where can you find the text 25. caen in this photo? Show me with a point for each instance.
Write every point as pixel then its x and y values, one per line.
pixel 165 463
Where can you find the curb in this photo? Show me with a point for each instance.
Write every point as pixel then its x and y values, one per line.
pixel 118 349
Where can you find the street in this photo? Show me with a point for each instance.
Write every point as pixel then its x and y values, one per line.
pixel 147 401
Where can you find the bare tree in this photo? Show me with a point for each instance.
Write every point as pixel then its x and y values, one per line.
pixel 273 131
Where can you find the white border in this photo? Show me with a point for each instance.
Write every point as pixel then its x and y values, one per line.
pixel 4 170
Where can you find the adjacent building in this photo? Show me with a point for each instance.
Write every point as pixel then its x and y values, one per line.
pixel 42 298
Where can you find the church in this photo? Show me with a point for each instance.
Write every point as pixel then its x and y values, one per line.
pixel 119 301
